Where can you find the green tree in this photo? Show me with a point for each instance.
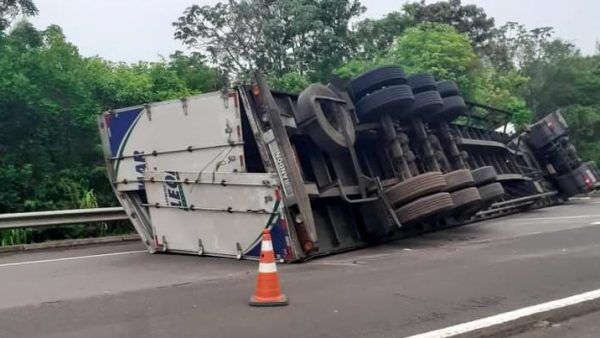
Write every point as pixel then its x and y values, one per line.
pixel 47 114
pixel 515 47
pixel 449 55
pixel 584 122
pixel 546 62
pixel 194 71
pixel 50 96
pixel 9 9
pixel 49 100
pixel 356 66
pixel 276 37
pixel 468 19
pixel 429 47
pixel 438 49
pixel 372 36
pixel 290 82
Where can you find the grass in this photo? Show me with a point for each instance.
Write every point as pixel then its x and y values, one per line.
pixel 80 199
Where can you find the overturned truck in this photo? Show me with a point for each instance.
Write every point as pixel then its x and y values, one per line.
pixel 340 166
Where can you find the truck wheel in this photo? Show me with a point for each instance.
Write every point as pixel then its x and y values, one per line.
pixel 454 106
pixel 579 180
pixel 550 128
pixel 466 199
pixel 540 136
pixel 384 101
pixel 416 187
pixel 440 156
pixel 376 79
pixel 325 120
pixel 484 175
pixel 403 138
pixel 410 156
pixel 422 82
pixel 425 207
pixel 458 179
pixel 426 103
pixel 448 88
pixel 491 192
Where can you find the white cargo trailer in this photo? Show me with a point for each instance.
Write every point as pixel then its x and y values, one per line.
pixel 206 174
pixel 178 168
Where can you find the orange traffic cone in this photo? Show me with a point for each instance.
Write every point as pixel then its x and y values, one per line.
pixel 268 292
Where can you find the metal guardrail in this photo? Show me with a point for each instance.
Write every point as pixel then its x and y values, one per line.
pixel 61 217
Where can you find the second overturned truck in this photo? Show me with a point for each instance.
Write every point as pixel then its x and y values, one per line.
pixel 338 167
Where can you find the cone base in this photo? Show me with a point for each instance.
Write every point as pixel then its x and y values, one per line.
pixel 280 301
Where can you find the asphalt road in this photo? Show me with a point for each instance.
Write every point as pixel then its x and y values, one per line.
pixel 587 326
pixel 394 290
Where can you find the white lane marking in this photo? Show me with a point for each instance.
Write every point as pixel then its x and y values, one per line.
pixel 509 316
pixel 551 218
pixel 580 198
pixel 595 223
pixel 71 258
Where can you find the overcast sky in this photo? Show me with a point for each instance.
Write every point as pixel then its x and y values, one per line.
pixel 132 30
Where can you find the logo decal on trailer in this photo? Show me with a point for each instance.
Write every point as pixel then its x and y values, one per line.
pixel 119 127
pixel 174 195
pixel 281 169
pixel 140 167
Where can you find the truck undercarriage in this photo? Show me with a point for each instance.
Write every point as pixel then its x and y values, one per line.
pixel 340 166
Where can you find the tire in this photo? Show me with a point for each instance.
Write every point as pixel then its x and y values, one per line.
pixel 569 184
pixel 403 138
pixel 323 124
pixel 466 199
pixel 425 207
pixel 491 192
pixel 579 180
pixel 409 156
pixel 426 104
pixel 563 156
pixel 466 157
pixel 384 101
pixel 543 132
pixel 454 106
pixel 484 175
pixel 541 135
pixel 416 187
pixel 448 88
pixel 458 179
pixel 376 79
pixel 435 142
pixel 440 156
pixel 573 158
pixel 422 82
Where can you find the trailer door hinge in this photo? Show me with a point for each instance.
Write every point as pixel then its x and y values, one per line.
pixel 184 105
pixel 229 132
pixel 164 244
pixel 239 251
pixel 148 112
pixel 200 248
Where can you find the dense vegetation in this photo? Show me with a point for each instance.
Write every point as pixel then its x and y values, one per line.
pixel 50 95
pixel 529 72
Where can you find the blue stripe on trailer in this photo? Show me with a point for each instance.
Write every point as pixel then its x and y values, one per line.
pixel 118 125
pixel 279 239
